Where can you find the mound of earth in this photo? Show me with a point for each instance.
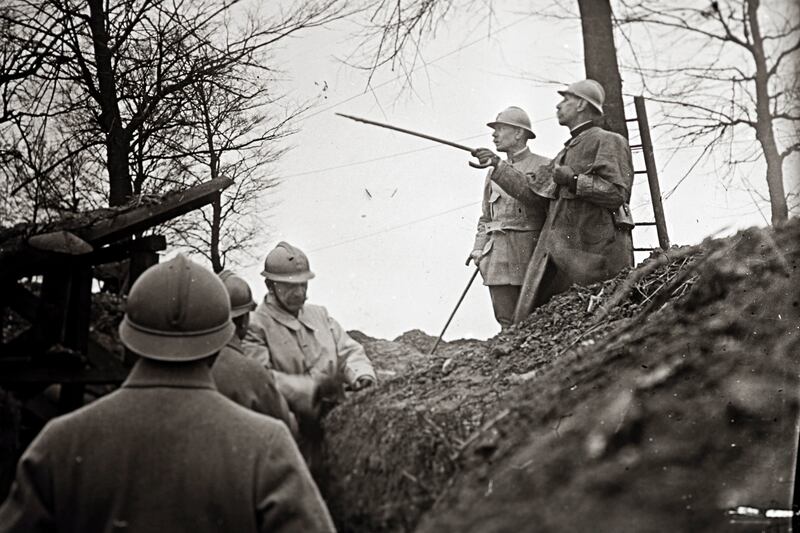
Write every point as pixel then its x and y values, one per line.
pixel 662 400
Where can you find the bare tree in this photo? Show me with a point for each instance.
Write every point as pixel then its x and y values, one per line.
pixel 113 67
pixel 735 78
pixel 395 31
pixel 231 132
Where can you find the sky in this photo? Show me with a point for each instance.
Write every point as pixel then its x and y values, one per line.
pixel 387 220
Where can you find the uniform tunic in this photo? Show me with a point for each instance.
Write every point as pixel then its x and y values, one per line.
pixel 509 228
pixel 580 238
pixel 310 344
pixel 166 452
pixel 249 384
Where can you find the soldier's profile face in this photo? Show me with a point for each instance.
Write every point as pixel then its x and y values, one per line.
pixel 567 109
pixel 504 137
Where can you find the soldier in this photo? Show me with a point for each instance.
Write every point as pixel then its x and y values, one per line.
pixel 166 452
pixel 586 236
pixel 508 228
pixel 309 353
pixel 237 376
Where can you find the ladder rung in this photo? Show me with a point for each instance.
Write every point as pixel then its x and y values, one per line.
pixel 645 223
pixel 640 172
pixel 645 249
pixel 635 146
pixel 634 119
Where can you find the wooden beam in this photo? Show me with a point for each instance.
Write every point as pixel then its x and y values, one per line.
pixel 173 205
pixel 123 250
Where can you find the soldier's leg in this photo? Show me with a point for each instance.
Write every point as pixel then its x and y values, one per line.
pixel 504 301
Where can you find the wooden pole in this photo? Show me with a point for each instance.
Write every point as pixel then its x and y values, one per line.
pixel 652 173
pixel 439 339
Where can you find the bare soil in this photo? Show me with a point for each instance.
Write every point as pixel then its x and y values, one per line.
pixel 660 400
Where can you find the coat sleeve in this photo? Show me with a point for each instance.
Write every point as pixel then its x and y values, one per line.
pixel 357 364
pixel 288 500
pixel 528 188
pixel 607 183
pixel 29 506
pixel 255 345
pixel 270 400
pixel 481 237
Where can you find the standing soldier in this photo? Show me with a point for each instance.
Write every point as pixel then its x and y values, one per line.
pixel 586 237
pixel 508 227
pixel 166 452
pixel 237 376
pixel 309 353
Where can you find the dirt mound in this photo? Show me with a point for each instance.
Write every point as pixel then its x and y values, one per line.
pixel 655 401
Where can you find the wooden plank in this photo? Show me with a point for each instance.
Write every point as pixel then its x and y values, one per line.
pixel 174 205
pixel 123 250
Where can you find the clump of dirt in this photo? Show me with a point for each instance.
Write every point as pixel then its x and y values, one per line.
pixel 655 401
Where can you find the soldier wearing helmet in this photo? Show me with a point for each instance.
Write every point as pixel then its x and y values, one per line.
pixel 508 228
pixel 586 237
pixel 167 451
pixel 237 376
pixel 309 353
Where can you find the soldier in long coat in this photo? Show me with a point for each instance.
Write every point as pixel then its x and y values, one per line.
pixel 167 451
pixel 508 228
pixel 586 237
pixel 311 356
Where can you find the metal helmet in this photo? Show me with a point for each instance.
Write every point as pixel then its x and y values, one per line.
pixel 514 116
pixel 588 90
pixel 287 264
pixel 177 311
pixel 240 294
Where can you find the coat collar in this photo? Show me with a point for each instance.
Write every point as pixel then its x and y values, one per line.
pixel 519 156
pixel 189 375
pixel 578 133
pixel 273 309
pixel 235 344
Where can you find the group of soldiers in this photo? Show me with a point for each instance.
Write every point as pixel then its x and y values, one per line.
pixel 548 224
pixel 169 450
pixel 218 425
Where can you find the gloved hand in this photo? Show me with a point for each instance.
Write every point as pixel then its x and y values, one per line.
pixel 330 384
pixel 562 175
pixel 486 158
pixel 362 383
pixel 475 256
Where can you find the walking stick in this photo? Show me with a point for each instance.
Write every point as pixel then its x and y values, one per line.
pixel 454 310
pixel 417 134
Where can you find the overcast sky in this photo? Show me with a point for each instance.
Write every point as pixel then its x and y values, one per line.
pixel 388 220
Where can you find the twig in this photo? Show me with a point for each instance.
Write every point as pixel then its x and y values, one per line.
pixel 485 427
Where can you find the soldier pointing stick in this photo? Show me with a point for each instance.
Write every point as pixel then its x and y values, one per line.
pixel 508 228
pixel 586 236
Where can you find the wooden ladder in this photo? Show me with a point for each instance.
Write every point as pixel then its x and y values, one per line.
pixel 646 147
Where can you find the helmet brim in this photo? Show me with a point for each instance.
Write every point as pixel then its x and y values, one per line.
pixel 243 309
pixel 496 123
pixel 299 277
pixel 172 346
pixel 594 105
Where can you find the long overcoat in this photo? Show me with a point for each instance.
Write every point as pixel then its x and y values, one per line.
pixel 307 345
pixel 249 384
pixel 166 452
pixel 581 241
pixel 508 228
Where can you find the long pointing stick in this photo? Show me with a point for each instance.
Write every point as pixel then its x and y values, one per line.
pixel 409 132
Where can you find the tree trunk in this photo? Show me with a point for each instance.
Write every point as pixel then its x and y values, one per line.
pixel 600 60
pixel 117 141
pixel 216 223
pixel 764 131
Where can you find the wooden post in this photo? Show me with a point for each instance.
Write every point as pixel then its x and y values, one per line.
pixel 652 173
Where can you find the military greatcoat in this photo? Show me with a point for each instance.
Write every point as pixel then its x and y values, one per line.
pixel 166 452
